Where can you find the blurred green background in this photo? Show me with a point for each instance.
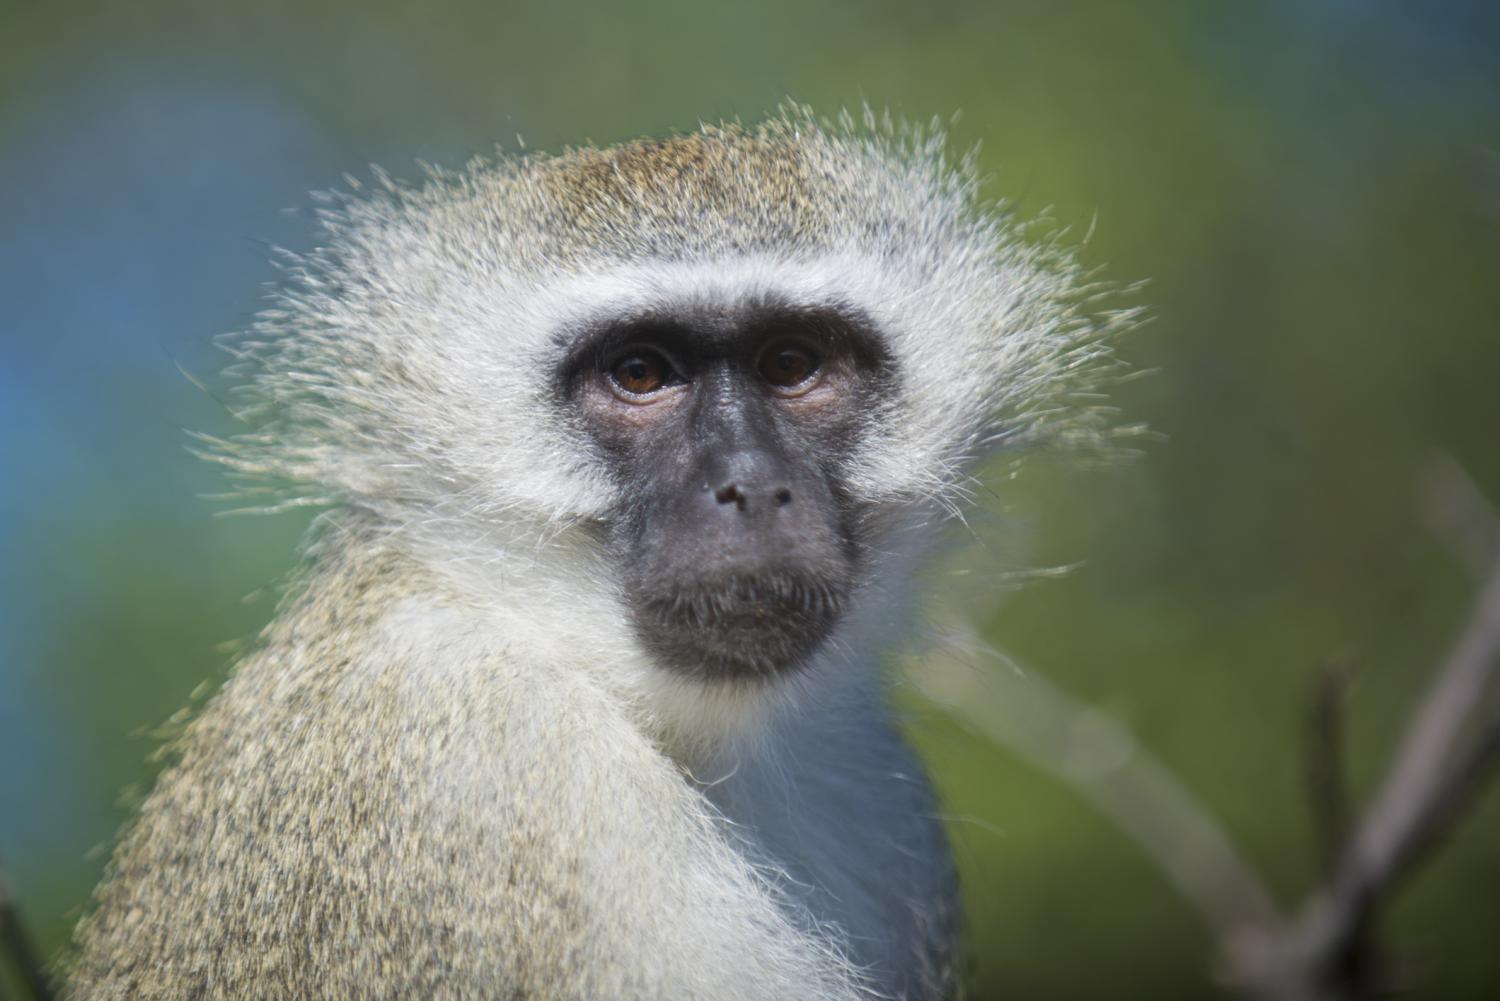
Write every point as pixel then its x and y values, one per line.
pixel 1310 187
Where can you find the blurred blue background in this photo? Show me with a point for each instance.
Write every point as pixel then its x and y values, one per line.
pixel 1311 187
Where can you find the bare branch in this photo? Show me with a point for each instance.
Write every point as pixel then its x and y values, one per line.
pixel 1433 777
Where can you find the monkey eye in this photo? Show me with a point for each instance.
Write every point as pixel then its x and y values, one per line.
pixel 789 365
pixel 640 373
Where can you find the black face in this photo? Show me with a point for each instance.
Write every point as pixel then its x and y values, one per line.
pixel 738 545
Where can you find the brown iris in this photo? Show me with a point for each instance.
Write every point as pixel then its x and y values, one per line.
pixel 640 373
pixel 788 365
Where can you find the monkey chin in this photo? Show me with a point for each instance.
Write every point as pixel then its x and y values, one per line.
pixel 740 627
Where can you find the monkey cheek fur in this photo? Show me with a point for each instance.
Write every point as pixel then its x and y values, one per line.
pixel 739 627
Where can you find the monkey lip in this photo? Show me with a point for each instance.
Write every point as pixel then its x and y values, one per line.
pixel 739 625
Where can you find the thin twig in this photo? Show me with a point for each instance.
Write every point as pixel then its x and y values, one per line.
pixel 1327 788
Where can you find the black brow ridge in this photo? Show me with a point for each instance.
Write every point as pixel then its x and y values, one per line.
pixel 698 329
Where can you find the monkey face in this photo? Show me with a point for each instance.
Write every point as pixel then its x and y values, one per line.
pixel 737 542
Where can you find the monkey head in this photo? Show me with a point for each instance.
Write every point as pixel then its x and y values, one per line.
pixel 733 376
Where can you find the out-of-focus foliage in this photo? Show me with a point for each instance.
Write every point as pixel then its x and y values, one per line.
pixel 1310 186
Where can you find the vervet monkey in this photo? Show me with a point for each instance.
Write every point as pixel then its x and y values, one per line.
pixel 629 456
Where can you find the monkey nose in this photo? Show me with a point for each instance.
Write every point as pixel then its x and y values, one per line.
pixel 731 493
pixel 751 481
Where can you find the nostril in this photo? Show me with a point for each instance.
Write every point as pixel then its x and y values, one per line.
pixel 731 495
pixel 783 497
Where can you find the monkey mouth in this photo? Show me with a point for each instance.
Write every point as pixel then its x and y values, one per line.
pixel 740 625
